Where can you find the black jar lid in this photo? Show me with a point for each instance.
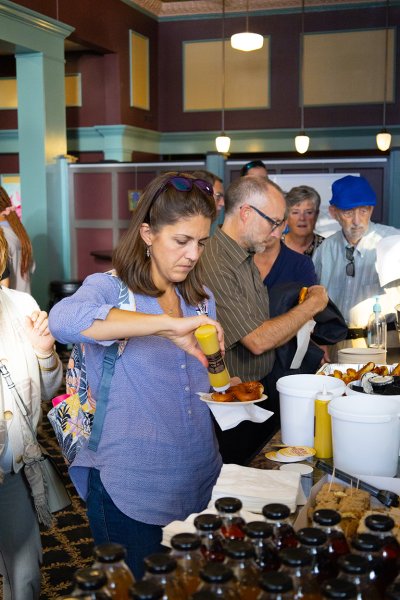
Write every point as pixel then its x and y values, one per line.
pixel 275 581
pixel 379 522
pixel 275 512
pixel 353 564
pixel 295 557
pixel 311 536
pixel 185 541
pixel 340 589
pixel 160 563
pixel 208 522
pixel 326 517
pixel 239 549
pixel 258 530
pixel 90 579
pixel 216 573
pixel 109 552
pixel 146 590
pixel 228 504
pixel 366 542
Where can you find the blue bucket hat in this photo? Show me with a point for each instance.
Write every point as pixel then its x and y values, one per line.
pixel 350 192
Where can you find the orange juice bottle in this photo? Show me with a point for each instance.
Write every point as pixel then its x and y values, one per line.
pixel 207 338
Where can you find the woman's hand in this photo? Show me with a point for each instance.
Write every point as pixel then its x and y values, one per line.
pixel 181 332
pixel 37 330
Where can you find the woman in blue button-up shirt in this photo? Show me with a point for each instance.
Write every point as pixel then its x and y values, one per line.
pixel 158 459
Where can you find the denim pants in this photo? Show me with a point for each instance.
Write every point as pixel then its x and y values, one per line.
pixel 109 524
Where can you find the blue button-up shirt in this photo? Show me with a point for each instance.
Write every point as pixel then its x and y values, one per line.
pixel 158 456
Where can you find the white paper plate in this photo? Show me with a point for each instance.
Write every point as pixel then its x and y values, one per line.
pixel 208 400
pixel 297 468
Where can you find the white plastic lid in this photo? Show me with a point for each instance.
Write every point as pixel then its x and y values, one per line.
pixel 223 388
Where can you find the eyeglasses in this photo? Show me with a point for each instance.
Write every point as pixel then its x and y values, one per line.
pixel 219 195
pixel 350 267
pixel 273 222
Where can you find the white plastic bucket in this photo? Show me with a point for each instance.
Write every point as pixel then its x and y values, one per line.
pixel 296 398
pixel 362 355
pixel 365 434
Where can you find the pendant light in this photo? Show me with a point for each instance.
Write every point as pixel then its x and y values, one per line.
pixel 302 141
pixel 383 138
pixel 223 142
pixel 247 41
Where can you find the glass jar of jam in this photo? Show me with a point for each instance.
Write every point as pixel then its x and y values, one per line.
pixel 186 551
pixel 240 558
pixel 296 562
pixel 276 586
pixel 283 533
pixel 315 542
pixel 266 555
pixel 328 520
pixel 355 568
pixel 232 523
pixel 208 527
pixel 382 526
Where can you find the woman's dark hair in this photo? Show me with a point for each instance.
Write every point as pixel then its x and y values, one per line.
pixel 159 209
pixel 20 231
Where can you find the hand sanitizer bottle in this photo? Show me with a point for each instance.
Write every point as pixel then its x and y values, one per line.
pixel 377 328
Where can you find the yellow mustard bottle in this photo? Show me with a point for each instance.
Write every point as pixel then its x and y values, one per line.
pixel 207 338
pixel 323 426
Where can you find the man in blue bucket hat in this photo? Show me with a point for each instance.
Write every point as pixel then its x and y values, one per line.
pixel 345 261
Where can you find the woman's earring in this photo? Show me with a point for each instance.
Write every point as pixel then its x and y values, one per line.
pixel 148 251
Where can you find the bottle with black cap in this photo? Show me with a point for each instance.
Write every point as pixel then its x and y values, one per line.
pixel 369 546
pixel 219 579
pixel 296 562
pixel 240 558
pixel 266 555
pixel 382 526
pixel 276 586
pixel 146 590
pixel 232 523
pixel 283 534
pixel 355 568
pixel 110 558
pixel 161 569
pixel 315 542
pixel 328 520
pixel 90 584
pixel 208 528
pixel 186 551
pixel 338 589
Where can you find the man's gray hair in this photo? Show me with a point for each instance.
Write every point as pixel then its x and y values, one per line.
pixel 247 190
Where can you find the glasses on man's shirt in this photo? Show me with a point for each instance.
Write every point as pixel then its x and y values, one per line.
pixel 350 267
pixel 275 223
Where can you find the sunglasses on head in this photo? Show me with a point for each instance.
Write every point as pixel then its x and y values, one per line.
pixel 350 267
pixel 183 184
pixel 251 165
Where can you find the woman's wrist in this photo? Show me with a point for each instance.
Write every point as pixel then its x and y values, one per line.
pixel 41 355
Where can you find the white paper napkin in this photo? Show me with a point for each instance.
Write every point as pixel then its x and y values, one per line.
pixel 228 417
pixel 187 526
pixel 257 487
pixel 303 339
pixel 388 259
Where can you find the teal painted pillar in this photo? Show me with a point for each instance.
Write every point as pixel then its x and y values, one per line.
pixel 215 163
pixel 42 137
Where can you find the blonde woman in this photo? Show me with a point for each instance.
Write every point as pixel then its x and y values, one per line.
pixel 27 360
pixel 20 257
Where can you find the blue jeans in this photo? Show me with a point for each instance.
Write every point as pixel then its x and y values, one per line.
pixel 109 524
